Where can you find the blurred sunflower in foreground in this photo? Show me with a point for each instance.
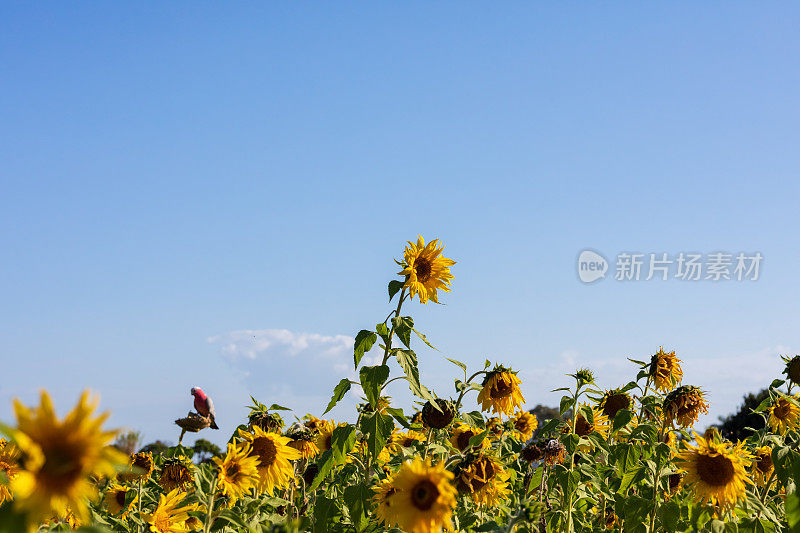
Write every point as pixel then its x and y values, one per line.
pixel 426 270
pixel 59 456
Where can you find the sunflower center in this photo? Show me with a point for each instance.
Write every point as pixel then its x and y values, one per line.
pixel 521 425
pixel 615 403
pixel 764 463
pixel 582 427
pixel 120 497
pixel 62 466
pixel 266 451
pixel 423 268
pixel 232 470
pixel 781 410
pixel 500 390
pixel 463 439
pixel 424 495
pixel 715 470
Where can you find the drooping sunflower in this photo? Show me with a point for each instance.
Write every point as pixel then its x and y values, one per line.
pixel 665 370
pixel 611 520
pixel 383 492
pixel 59 456
pixel 531 452
pixel 176 473
pixel 274 453
pixel 312 422
pixel 9 467
pixel 115 497
pixel 614 401
pixel 238 470
pixel 525 424
pixel 684 405
pixel 716 472
pixel 484 479
pixel 554 452
pixel 426 270
pixel 762 464
pixel 784 414
pixel 792 369
pixel 169 516
pixel 461 435
pixel 501 393
pixel 438 418
pixel 142 467
pixel 424 498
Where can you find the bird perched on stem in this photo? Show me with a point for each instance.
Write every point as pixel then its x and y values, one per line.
pixel 204 405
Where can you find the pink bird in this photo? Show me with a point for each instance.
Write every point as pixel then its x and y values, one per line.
pixel 204 405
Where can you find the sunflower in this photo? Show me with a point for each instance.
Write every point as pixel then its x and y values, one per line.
pixel 169 516
pixel 597 422
pixel 762 465
pixel 554 452
pixel 141 467
pixel 59 456
pixel 484 479
pixel 438 419
pixel 461 435
pixel 424 499
pixel 716 471
pixel 325 429
pixel 531 452
pixel 501 392
pixel 614 401
pixel 684 405
pixel 399 440
pixel 176 473
pixel 383 492
pixel 9 467
pixel 115 497
pixel 274 453
pixel 525 424
pixel 792 369
pixel 307 447
pixel 610 521
pixel 238 470
pixel 665 370
pixel 784 414
pixel 495 427
pixel 312 423
pixel 264 420
pixel 426 270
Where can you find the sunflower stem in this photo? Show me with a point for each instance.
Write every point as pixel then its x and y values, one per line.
pixel 463 392
pixel 139 504
pixel 207 526
pixel 396 312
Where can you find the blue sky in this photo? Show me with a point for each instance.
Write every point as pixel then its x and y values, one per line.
pixel 174 175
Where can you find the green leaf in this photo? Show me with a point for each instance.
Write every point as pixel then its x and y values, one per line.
pixel 566 403
pixel 622 418
pixel 671 514
pixel 383 331
pixel 407 360
pixel 378 428
pixel 402 328
pixel 372 377
pixel 356 498
pixel 338 393
pixel 424 339
pixel 399 415
pixel 459 364
pixel 476 440
pixel 364 341
pixel 394 288
pixel 793 501
pixel 276 407
pixel 324 511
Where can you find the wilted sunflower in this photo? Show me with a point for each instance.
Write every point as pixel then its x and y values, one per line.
pixel 274 454
pixel 238 470
pixel 461 435
pixel 484 479
pixel 784 414
pixel 762 464
pixel 306 446
pixel 141 467
pixel 383 492
pixel 665 370
pixel 426 270
pixel 59 456
pixel 684 405
pixel 611 520
pixel 9 466
pixel 554 452
pixel 312 423
pixel 265 420
pixel 614 401
pixel 169 516
pixel 525 424
pixel 792 369
pixel 176 473
pixel 438 418
pixel 115 497
pixel 424 499
pixel 716 471
pixel 501 393
pixel 531 452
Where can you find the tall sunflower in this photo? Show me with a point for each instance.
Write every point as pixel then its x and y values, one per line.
pixel 424 499
pixel 9 467
pixel 501 393
pixel 792 368
pixel 784 414
pixel 716 472
pixel 426 270
pixel 274 453
pixel 59 456
pixel 238 470
pixel 169 516
pixel 525 424
pixel 665 370
pixel 684 405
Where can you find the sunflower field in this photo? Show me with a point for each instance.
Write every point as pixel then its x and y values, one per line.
pixel 472 458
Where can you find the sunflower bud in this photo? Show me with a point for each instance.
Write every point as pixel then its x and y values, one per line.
pixel 584 376
pixel 438 419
